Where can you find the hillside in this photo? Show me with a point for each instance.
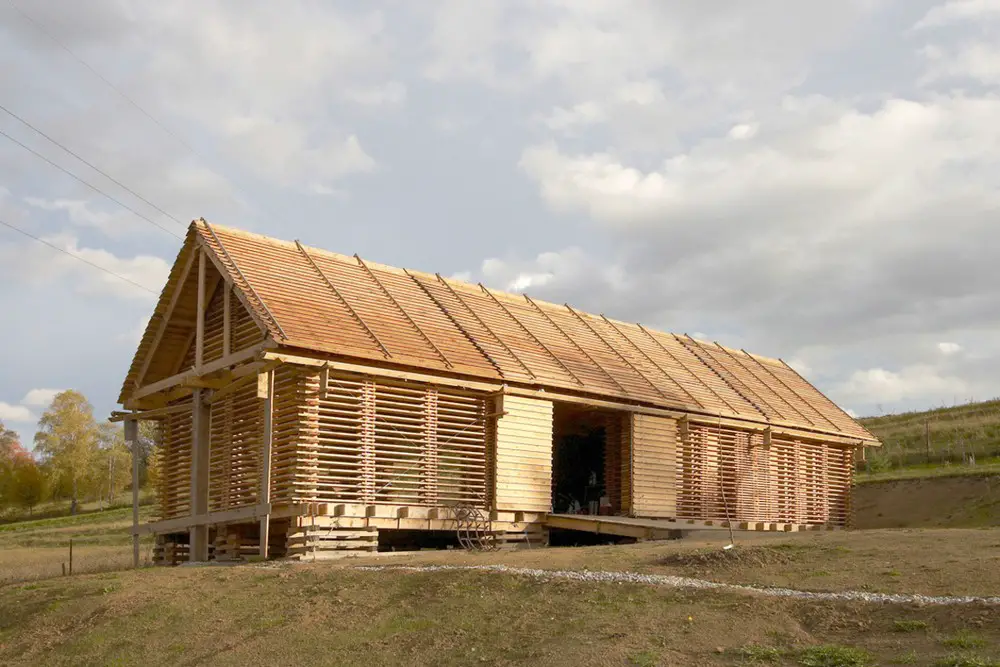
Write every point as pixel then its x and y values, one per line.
pixel 332 613
pixel 967 434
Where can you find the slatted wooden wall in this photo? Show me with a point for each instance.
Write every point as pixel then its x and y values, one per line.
pixel 524 455
pixel 174 486
pixel 236 432
pixel 729 474
pixel 374 440
pixel 654 450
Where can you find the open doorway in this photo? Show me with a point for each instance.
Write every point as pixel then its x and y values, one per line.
pixel 587 448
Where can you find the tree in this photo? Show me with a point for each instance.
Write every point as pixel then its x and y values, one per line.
pixel 29 484
pixel 67 441
pixel 113 468
pixel 12 454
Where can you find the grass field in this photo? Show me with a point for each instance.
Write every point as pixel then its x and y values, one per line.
pixel 925 440
pixel 332 614
pixel 39 548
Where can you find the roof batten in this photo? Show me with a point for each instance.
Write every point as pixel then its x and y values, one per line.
pixel 336 292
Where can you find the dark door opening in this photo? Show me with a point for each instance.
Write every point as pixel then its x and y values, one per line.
pixel 586 460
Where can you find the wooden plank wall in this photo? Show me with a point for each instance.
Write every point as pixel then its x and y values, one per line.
pixel 731 474
pixel 654 454
pixel 524 455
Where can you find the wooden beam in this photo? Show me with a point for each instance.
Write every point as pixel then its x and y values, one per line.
pixel 652 361
pixel 482 323
pixel 132 442
pixel 399 307
pixel 579 347
pixel 185 272
pixel 680 363
pixel 209 368
pixel 264 498
pixel 227 307
pixel 158 413
pixel 531 335
pixel 199 338
pixel 200 415
pixel 340 297
pixel 382 372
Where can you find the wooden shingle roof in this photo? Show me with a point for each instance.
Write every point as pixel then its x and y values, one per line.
pixel 317 300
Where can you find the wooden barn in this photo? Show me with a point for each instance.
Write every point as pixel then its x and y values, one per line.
pixel 311 402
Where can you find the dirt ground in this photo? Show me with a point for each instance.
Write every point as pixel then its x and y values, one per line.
pixel 331 613
pixel 960 501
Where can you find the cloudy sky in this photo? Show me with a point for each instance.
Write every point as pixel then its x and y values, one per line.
pixel 817 181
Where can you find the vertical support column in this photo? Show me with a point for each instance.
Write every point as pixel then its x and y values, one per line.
pixel 265 390
pixel 200 435
pixel 132 442
pixel 199 345
pixel 368 488
pixel 430 449
pixel 227 333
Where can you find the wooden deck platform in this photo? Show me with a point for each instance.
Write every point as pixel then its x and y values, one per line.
pixel 662 529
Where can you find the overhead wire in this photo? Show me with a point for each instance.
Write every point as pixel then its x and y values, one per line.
pixel 89 185
pixel 41 28
pixel 90 164
pixel 75 256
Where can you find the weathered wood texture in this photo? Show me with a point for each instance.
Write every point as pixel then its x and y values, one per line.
pixel 654 454
pixel 524 455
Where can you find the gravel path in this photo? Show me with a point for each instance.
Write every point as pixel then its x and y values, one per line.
pixel 688 582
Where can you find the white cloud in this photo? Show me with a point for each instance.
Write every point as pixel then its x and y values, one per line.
pixel 15 413
pixel 971 61
pixel 878 385
pixel 958 11
pixel 851 413
pixel 31 261
pixel 949 348
pixel 390 93
pixel 743 131
pixel 40 398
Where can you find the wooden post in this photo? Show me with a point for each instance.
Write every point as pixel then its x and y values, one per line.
pixel 71 556
pixel 132 442
pixel 200 430
pixel 265 467
pixel 199 346
pixel 927 439
pixel 226 320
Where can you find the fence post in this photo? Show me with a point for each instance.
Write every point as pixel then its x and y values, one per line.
pixel 927 438
pixel 71 555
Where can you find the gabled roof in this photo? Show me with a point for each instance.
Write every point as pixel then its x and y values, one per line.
pixel 329 303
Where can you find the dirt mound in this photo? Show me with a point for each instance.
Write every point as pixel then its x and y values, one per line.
pixel 968 501
pixel 737 557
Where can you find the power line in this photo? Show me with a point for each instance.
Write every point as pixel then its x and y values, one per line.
pixel 38 26
pixel 75 256
pixel 92 166
pixel 92 187
pixel 41 28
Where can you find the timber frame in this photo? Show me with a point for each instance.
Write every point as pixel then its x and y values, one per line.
pixel 396 400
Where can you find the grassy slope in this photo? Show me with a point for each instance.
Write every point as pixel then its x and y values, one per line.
pixel 38 549
pixel 973 428
pixel 330 614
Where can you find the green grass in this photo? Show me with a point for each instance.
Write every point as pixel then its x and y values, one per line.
pixel 908 625
pixel 955 432
pixel 832 655
pixel 965 639
pixel 759 654
pixel 966 661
